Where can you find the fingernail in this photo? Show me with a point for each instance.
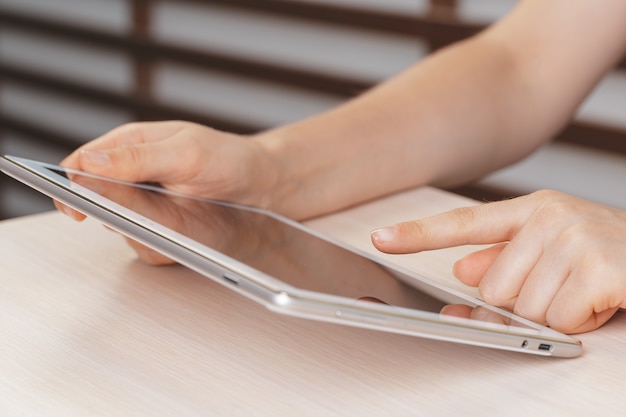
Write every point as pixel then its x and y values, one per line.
pixel 65 210
pixel 69 212
pixel 384 235
pixel 96 157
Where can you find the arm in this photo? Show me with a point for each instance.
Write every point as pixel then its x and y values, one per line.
pixel 459 114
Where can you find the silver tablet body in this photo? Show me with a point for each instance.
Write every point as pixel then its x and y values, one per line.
pixel 288 267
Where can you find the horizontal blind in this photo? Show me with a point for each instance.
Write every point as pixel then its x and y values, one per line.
pixel 72 69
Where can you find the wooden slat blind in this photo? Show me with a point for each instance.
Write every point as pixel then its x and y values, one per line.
pixel 440 26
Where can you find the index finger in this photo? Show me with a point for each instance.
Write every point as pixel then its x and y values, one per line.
pixel 474 225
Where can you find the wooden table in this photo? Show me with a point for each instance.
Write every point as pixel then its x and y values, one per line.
pixel 87 330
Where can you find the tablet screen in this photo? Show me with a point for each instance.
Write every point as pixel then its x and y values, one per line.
pixel 274 247
pixel 281 250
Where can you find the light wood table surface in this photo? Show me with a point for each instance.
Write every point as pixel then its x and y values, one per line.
pixel 87 330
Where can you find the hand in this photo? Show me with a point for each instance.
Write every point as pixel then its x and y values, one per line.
pixel 185 157
pixel 239 233
pixel 557 260
pixel 211 224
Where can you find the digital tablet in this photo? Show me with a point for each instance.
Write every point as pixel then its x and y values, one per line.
pixel 288 267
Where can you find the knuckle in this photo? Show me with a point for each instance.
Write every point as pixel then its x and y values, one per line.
pixel 530 311
pixel 413 229
pixel 490 293
pixel 498 294
pixel 552 205
pixel 573 237
pixel 546 194
pixel 591 264
pixel 128 162
pixel 466 217
pixel 134 155
pixel 129 129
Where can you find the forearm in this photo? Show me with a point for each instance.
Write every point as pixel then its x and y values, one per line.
pixel 439 122
pixel 457 115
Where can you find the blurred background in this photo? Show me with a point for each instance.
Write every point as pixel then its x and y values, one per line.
pixel 71 70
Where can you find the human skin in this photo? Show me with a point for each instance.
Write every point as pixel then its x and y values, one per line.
pixel 463 112
pixel 556 259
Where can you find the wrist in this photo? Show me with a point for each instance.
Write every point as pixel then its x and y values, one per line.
pixel 275 178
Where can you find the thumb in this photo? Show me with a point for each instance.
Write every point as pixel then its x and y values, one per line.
pixel 132 163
